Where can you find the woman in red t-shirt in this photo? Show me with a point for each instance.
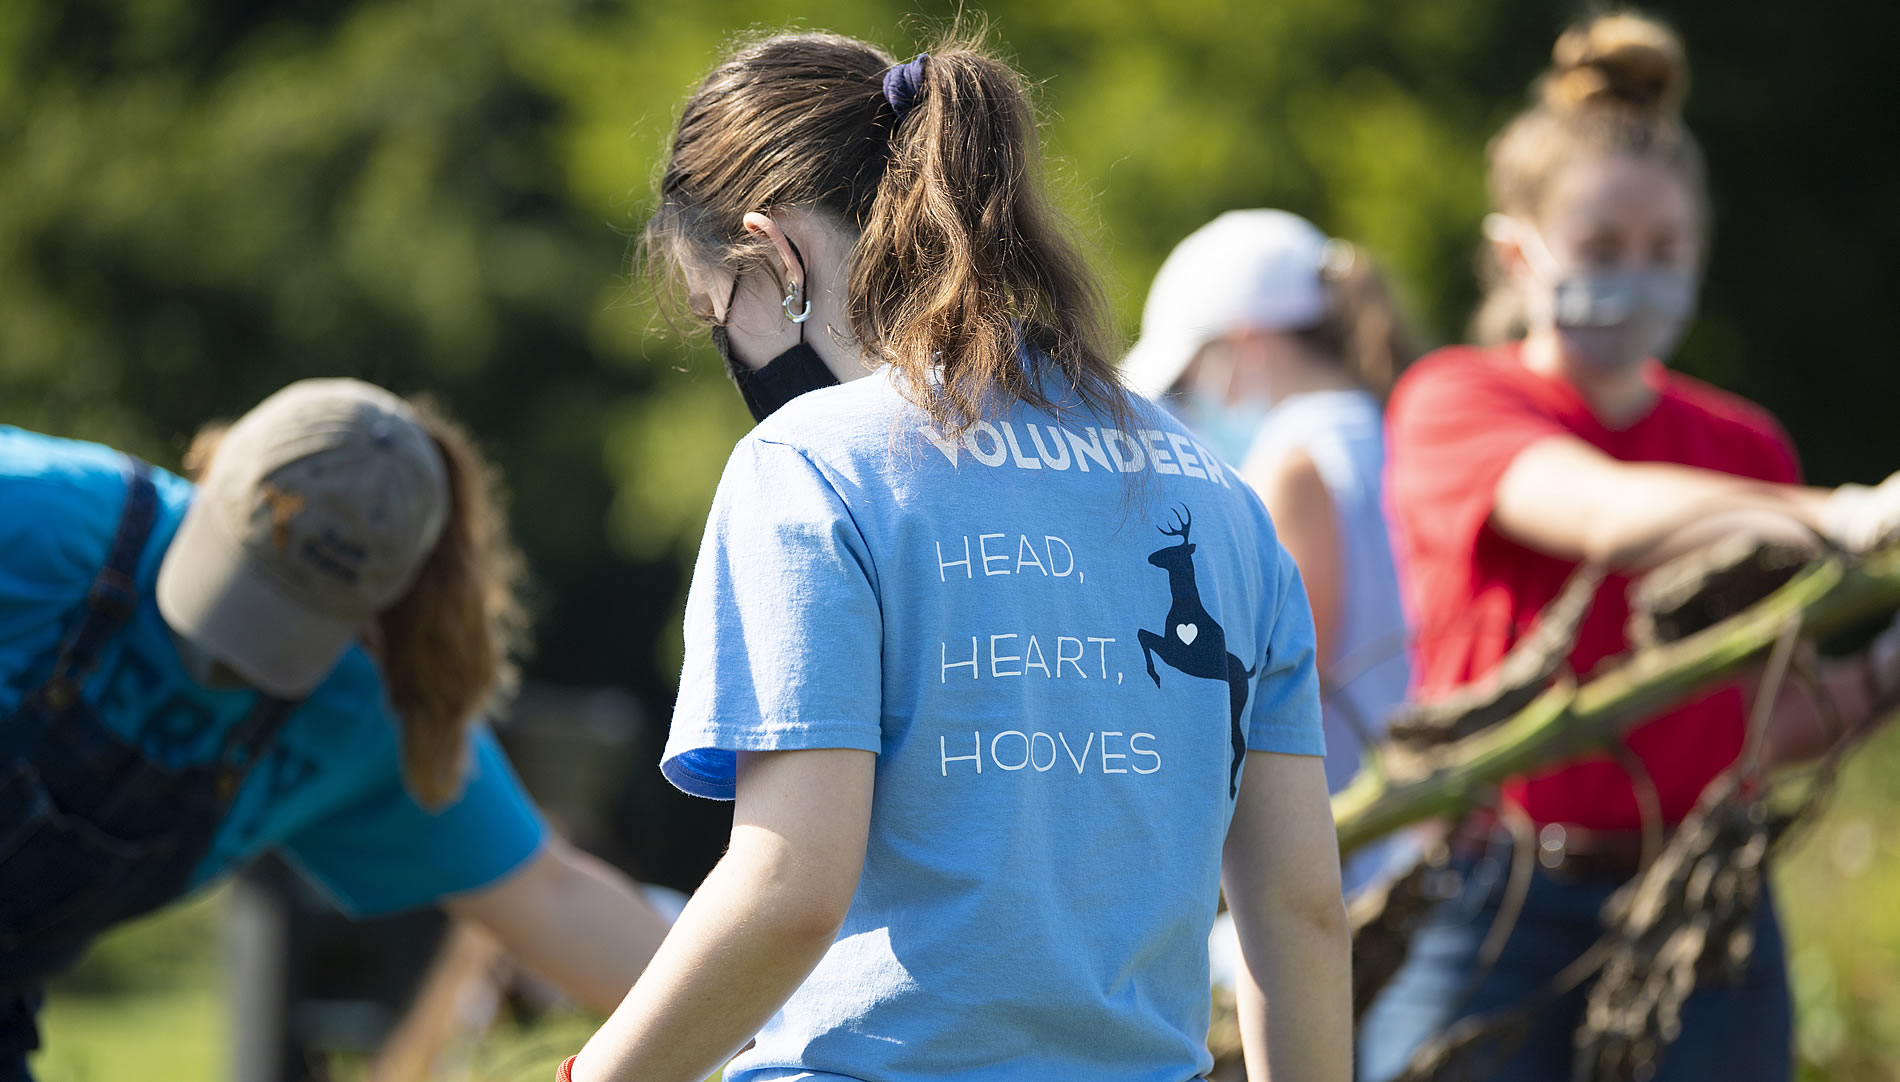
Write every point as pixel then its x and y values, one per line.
pixel 1512 465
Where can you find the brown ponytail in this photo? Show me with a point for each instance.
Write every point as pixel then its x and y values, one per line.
pixel 1363 331
pixel 447 646
pixel 961 249
pixel 1615 87
pixel 960 255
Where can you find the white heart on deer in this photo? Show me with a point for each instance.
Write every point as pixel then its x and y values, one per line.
pixel 1187 633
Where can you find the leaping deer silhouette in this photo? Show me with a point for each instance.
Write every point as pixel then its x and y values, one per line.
pixel 1193 642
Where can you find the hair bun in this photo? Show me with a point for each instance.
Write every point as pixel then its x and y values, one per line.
pixel 1625 60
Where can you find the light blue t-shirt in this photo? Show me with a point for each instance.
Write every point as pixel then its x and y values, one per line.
pixel 1045 837
pixel 330 793
pixel 1343 432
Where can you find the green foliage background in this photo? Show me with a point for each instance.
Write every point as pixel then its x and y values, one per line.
pixel 200 201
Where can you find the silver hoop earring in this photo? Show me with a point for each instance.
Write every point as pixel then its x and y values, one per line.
pixel 791 292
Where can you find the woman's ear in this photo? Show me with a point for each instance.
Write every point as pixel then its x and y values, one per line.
pixel 1507 246
pixel 791 274
pixel 1510 257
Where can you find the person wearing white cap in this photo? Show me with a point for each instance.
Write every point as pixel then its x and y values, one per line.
pixel 289 655
pixel 1254 309
pixel 1276 345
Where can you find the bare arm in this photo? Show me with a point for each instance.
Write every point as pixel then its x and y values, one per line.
pixel 571 919
pixel 1308 526
pixel 1566 498
pixel 1280 870
pixel 755 928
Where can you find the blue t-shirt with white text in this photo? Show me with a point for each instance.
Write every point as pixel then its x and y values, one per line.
pixel 1050 629
pixel 329 794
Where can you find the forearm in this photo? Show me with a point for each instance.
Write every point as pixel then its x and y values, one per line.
pixel 1295 1000
pixel 1567 499
pixel 592 935
pixel 1280 870
pixel 1669 511
pixel 1638 550
pixel 738 951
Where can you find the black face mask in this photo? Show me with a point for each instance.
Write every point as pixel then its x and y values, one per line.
pixel 790 374
pixel 785 377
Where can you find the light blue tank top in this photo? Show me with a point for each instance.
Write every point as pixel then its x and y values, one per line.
pixel 1343 433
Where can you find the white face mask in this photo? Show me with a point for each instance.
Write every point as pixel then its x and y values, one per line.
pixel 1611 318
pixel 1227 429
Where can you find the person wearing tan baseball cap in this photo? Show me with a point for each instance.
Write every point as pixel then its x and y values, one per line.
pixel 316 515
pixel 291 655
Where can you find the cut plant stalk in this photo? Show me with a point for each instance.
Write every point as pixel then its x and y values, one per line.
pixel 1834 593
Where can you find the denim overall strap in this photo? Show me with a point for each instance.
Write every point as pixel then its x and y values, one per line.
pixel 94 831
pixel 110 603
pixel 114 595
pixel 249 741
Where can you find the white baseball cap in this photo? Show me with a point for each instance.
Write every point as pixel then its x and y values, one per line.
pixel 315 515
pixel 1245 270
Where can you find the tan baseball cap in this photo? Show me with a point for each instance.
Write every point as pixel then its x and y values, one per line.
pixel 318 509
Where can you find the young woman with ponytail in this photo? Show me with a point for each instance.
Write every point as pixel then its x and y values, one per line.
pixel 290 651
pixel 1561 441
pixel 978 642
pixel 1277 345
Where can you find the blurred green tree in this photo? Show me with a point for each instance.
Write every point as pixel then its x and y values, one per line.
pixel 204 199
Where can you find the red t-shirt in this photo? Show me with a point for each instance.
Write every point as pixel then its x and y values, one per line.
pixel 1456 420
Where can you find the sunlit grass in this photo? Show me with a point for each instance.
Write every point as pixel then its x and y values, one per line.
pixel 145 1004
pixel 1840 895
pixel 175 1036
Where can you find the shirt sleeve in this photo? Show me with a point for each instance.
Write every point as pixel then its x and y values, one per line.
pixel 1454 428
pixel 385 852
pixel 1286 706
pixel 784 634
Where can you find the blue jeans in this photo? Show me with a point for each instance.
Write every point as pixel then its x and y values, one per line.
pixel 1735 1033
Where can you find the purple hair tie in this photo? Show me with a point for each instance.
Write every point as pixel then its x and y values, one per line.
pixel 903 82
